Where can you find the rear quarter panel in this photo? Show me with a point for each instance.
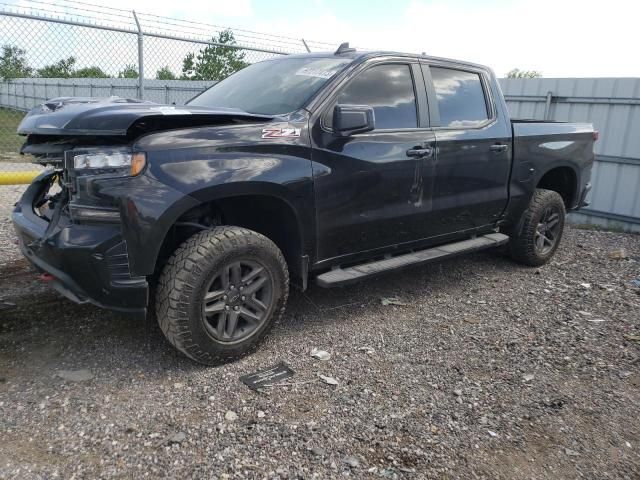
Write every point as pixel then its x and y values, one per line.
pixel 539 147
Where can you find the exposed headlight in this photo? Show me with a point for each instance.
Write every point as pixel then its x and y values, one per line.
pixel 122 161
pixel 102 160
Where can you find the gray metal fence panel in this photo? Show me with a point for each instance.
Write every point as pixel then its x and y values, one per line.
pixel 25 93
pixel 613 106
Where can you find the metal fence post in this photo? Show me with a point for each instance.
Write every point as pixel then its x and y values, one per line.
pixel 547 105
pixel 140 58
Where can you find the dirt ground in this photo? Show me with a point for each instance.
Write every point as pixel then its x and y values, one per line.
pixel 485 369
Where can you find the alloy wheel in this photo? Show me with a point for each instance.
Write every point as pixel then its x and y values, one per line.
pixel 547 231
pixel 238 301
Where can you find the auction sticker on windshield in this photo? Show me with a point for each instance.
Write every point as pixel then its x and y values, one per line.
pixel 316 72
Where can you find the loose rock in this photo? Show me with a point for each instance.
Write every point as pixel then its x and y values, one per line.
pixel 320 354
pixel 75 375
pixel 328 380
pixel 619 254
pixel 352 461
pixel 178 437
pixel 571 453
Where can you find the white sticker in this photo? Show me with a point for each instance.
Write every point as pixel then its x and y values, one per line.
pixel 280 132
pixel 171 111
pixel 315 72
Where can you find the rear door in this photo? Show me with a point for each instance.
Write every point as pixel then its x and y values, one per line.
pixel 368 186
pixel 467 180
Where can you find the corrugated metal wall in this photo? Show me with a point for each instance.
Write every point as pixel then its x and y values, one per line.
pixel 613 106
pixel 26 93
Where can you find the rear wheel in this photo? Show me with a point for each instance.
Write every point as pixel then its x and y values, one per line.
pixel 220 293
pixel 541 230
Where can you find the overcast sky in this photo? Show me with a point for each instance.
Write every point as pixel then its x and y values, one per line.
pixel 560 38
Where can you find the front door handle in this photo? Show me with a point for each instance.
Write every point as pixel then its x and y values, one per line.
pixel 420 152
pixel 499 147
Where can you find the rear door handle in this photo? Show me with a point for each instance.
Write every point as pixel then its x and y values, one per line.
pixel 499 147
pixel 420 152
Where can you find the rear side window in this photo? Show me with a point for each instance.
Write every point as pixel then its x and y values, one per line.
pixel 461 99
pixel 386 88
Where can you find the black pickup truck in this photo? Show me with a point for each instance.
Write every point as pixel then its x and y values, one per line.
pixel 327 166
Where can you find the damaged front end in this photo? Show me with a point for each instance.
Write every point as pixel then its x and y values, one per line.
pixel 86 262
pixel 76 221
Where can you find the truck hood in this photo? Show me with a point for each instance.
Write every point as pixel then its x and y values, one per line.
pixel 115 116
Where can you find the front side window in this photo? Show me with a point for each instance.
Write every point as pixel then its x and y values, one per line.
pixel 460 95
pixel 388 89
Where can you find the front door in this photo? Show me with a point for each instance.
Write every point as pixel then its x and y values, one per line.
pixel 368 187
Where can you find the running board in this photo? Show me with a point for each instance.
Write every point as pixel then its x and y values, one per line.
pixel 342 276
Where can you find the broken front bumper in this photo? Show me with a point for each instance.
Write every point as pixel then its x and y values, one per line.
pixel 88 263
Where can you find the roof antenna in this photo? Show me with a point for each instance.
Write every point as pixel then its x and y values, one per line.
pixel 344 48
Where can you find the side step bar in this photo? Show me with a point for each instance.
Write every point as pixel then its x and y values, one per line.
pixel 343 276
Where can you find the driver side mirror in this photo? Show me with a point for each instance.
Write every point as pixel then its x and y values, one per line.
pixel 350 119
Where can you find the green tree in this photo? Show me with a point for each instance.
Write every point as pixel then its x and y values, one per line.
pixel 165 73
pixel 214 62
pixel 517 73
pixel 61 69
pixel 13 64
pixel 130 71
pixel 90 72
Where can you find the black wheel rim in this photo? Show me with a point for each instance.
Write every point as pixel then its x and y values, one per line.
pixel 547 231
pixel 237 301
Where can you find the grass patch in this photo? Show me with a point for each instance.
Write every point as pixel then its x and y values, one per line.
pixel 10 141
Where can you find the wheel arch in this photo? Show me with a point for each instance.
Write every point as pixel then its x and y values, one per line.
pixel 563 179
pixel 266 210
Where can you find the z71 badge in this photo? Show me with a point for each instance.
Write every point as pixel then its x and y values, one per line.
pixel 280 132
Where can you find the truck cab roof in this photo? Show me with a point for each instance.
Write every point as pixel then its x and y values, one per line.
pixel 363 55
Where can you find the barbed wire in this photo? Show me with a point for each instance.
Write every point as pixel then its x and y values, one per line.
pixel 238 33
pixel 113 16
pixel 190 23
pixel 40 11
pixel 102 12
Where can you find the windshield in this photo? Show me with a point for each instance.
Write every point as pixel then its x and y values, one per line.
pixel 272 87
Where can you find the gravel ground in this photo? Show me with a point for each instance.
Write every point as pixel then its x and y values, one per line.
pixel 487 370
pixel 9 195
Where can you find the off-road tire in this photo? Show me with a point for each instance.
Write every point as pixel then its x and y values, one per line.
pixel 522 245
pixel 185 281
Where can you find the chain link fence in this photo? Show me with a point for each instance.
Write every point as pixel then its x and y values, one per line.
pixel 72 48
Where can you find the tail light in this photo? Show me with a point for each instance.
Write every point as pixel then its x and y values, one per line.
pixel 596 135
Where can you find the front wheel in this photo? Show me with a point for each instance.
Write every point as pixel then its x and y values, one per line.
pixel 220 293
pixel 541 231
